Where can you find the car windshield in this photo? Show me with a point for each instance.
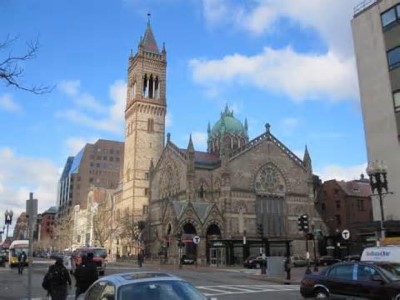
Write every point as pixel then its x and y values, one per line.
pixel 160 290
pixel 391 270
pixel 100 252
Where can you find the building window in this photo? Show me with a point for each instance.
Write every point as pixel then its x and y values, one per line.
pixel 337 203
pixel 150 125
pixel 146 191
pixel 388 17
pixel 338 220
pixel 360 204
pixel 323 206
pixel 145 209
pixel 394 58
pixel 336 191
pixel 146 175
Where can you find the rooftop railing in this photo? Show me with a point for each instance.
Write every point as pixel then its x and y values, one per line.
pixel 364 5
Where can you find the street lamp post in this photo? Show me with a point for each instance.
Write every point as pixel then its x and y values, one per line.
pixel 8 220
pixel 180 245
pixel 377 173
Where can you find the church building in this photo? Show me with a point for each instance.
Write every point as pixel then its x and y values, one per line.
pixel 241 197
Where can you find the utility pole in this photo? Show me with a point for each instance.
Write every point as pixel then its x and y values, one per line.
pixel 31 213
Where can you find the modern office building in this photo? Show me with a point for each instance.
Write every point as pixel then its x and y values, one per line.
pixel 97 164
pixel 376 34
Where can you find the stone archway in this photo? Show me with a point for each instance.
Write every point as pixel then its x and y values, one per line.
pixel 213 233
pixel 189 231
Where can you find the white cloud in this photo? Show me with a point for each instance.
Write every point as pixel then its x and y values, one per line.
pixel 70 87
pixel 199 141
pixel 7 104
pixel 302 77
pixel 113 118
pixel 341 173
pixel 76 144
pixel 20 175
pixel 330 18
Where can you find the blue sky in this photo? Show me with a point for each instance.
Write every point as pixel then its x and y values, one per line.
pixel 288 63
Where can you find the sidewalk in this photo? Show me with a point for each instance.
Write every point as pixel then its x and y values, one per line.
pixel 296 273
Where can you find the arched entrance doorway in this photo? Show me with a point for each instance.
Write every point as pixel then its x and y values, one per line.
pixel 215 248
pixel 189 232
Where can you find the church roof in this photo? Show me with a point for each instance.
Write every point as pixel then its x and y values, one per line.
pixel 204 160
pixel 228 124
pixel 148 42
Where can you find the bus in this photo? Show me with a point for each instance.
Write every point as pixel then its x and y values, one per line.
pixel 15 249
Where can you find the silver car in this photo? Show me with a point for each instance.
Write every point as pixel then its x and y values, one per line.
pixel 142 286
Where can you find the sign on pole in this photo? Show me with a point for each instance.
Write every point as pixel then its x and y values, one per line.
pixel 346 234
pixel 196 240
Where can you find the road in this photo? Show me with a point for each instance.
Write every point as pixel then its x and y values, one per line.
pixel 228 283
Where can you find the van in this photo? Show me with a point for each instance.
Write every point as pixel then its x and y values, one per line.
pixel 385 253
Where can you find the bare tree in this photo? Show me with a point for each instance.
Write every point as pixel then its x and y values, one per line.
pixel 103 222
pixel 64 231
pixel 11 71
pixel 132 231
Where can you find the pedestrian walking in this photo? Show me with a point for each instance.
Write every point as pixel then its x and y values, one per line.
pixel 288 267
pixel 21 262
pixel 85 274
pixel 57 280
pixel 140 259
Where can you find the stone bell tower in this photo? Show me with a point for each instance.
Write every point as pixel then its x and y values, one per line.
pixel 144 121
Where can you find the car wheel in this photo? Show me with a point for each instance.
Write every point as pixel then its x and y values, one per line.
pixel 320 294
pixel 397 297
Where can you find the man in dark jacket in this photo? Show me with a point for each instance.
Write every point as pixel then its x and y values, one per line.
pixel 21 262
pixel 85 274
pixel 58 277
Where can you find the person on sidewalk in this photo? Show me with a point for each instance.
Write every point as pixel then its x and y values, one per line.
pixel 58 280
pixel 288 267
pixel 21 262
pixel 85 274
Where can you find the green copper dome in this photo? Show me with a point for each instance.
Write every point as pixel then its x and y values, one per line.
pixel 228 124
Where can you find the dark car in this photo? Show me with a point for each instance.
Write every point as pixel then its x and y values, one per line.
pixel 253 262
pixel 327 260
pixel 366 280
pixel 187 260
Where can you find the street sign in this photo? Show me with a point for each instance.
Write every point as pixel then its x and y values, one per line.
pixel 196 239
pixel 346 234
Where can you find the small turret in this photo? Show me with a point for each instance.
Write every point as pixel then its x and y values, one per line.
pixel 307 161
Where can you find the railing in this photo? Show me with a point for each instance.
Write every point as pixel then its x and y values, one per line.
pixel 364 5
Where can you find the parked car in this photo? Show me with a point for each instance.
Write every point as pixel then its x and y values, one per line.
pixel 299 261
pixel 142 285
pixel 353 257
pixel 253 262
pixel 187 260
pixel 366 280
pixel 327 260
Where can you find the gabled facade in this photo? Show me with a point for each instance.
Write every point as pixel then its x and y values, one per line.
pixel 223 196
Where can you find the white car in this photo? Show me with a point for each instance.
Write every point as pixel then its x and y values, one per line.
pixel 142 286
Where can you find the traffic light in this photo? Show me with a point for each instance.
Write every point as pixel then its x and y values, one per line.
pixel 303 223
pixel 260 231
pixel 300 223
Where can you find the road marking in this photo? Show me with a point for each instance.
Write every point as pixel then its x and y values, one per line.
pixel 218 290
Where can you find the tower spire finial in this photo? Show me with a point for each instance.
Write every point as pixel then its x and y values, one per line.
pixel 148 18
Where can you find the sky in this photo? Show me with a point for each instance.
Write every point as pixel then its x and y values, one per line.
pixel 287 63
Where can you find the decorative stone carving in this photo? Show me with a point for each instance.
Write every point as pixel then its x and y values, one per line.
pixel 269 181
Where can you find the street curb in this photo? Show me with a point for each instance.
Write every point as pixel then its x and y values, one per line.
pixel 274 279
